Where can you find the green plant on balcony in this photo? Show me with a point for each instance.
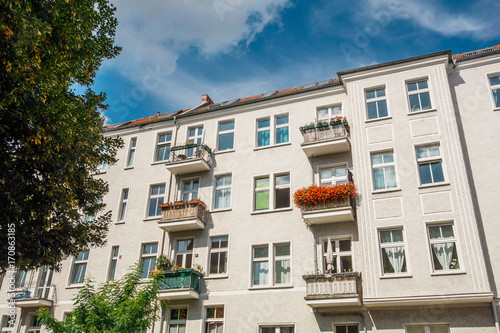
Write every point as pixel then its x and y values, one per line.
pixel 337 120
pixel 315 195
pixel 306 127
pixel 164 264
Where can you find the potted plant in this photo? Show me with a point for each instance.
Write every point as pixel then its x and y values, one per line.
pixel 337 120
pixel 306 127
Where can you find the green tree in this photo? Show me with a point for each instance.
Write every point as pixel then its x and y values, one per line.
pixel 127 305
pixel 50 136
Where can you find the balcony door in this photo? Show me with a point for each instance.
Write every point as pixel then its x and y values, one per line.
pixel 44 282
pixel 190 189
pixel 184 253
pixel 195 136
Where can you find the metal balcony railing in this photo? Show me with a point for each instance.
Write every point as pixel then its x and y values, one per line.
pixel 331 286
pixel 325 132
pixel 189 152
pixel 184 210
pixel 33 291
pixel 180 279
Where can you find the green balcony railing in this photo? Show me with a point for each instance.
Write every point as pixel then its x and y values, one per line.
pixel 180 279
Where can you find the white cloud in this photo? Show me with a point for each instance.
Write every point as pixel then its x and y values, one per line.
pixel 445 20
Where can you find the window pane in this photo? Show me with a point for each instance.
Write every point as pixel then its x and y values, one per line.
pixel 377 159
pixel 226 141
pixel 226 126
pixel 426 101
pixel 382 108
pixel 326 173
pixel 268 330
pixel 282 135
pixel 260 252
pixel 390 174
pixel 445 256
pixel 223 180
pixel 262 182
pixel 340 172
pixel 345 245
pixel 447 231
pixel 150 248
pixel 388 157
pixel 370 94
pixel 425 173
pixel 282 250
pixel 282 120
pixel 282 271
pixel 494 80
pixel 322 114
pixel 79 273
pixel 496 97
pixel 83 255
pixel 394 259
pixel 263 138
pixel 282 198
pixel 263 123
pixel 352 329
pixel 223 198
pixel 437 172
pixel 433 151
pixel 435 232
pixel 346 262
pixel 262 200
pixel 412 86
pixel 439 328
pixel 380 93
pixel 372 110
pixel 283 180
pixel 415 329
pixel 414 103
pixel 336 111
pixel 260 272
pixel 147 266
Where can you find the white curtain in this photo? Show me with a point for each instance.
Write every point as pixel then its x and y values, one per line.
pixel 222 198
pixel 260 272
pixel 282 271
pixel 396 256
pixel 444 253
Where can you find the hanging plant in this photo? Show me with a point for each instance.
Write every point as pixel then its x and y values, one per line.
pixel 314 194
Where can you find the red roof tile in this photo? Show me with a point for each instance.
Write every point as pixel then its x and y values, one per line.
pixel 473 53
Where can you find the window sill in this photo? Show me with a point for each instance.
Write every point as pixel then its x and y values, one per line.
pixel 128 168
pixel 433 185
pixel 271 287
pixel 159 162
pixel 120 222
pixel 221 210
pixel 449 272
pixel 75 286
pixel 378 119
pixel 153 218
pixel 396 276
pixel 271 211
pixel 387 190
pixel 215 277
pixel 273 146
pixel 224 151
pixel 422 111
pixel 496 109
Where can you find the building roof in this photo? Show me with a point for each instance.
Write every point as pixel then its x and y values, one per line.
pixel 208 106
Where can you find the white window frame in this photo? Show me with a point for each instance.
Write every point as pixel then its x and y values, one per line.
pixel 196 138
pixel 207 320
pixel 384 165
pixel 329 109
pixel 494 87
pixel 334 180
pixel 272 128
pixel 375 100
pixel 33 329
pixel 427 327
pixel 5 325
pixel 184 253
pixel 272 191
pixel 403 244
pixel 129 163
pixel 219 133
pixel 113 262
pixel 428 160
pixel 79 262
pixel 271 260
pixel 21 272
pixel 177 322
pixel 418 92
pixel 218 250
pixel 276 327
pixel 155 196
pixel 159 144
pixel 148 255
pixel 122 209
pixel 337 253
pixel 445 240
pixel 222 187
pixel 190 192
pixel 345 325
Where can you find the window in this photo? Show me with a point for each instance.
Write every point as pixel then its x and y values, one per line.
pixel 195 136
pixel 392 249
pixel 44 283
pixel 148 258
pixel 190 189
pixel 280 197
pixel 222 192
pixel 443 247
pixel 338 258
pixel 443 328
pixel 325 114
pixel 6 325
pixel 214 319
pixel 346 329
pixel 156 197
pixel 115 250
pixel 79 267
pixel 131 153
pixel 333 175
pixel 495 89
pixel 376 103
pixel 277 329
pixel 418 95
pixel 278 266
pixel 430 165
pixel 35 325
pixel 226 136
pixel 163 147
pixel 279 128
pixel 20 278
pixel 218 255
pixel 123 206
pixel 184 253
pixel 384 173
pixel 177 321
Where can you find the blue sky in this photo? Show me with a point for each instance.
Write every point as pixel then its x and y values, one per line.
pixel 174 51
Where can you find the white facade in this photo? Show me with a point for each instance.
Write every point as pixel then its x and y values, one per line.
pixel 421 234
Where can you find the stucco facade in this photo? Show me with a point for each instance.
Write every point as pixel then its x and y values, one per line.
pixel 415 252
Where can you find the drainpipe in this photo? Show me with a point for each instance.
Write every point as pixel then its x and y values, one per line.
pixel 315 250
pixel 495 315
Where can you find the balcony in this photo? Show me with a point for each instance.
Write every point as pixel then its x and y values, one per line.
pixel 180 285
pixel 182 216
pixel 189 158
pixel 35 297
pixel 326 138
pixel 336 290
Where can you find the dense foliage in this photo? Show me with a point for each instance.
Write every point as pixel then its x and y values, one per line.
pixel 128 305
pixel 51 137
pixel 314 194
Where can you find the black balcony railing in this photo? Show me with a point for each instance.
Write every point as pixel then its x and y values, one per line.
pixel 189 152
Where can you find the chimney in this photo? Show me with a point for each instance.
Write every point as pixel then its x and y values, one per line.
pixel 206 98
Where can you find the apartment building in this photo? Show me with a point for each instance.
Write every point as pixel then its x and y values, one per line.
pixel 211 188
